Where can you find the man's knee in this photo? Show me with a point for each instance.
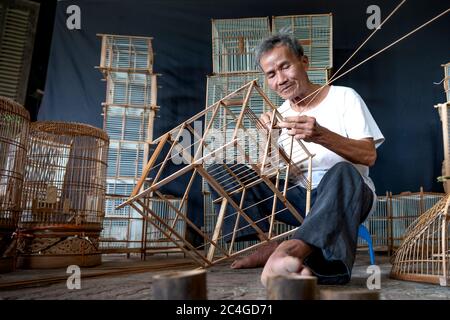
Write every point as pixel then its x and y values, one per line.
pixel 345 169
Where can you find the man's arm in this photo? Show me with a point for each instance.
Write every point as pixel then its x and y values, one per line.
pixel 360 151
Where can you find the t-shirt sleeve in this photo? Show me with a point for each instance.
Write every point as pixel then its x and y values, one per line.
pixel 359 123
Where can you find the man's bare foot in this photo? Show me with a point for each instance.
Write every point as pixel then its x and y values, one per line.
pixel 256 259
pixel 287 259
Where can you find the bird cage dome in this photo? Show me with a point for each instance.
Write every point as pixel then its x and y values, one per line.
pixel 14 126
pixel 424 255
pixel 64 195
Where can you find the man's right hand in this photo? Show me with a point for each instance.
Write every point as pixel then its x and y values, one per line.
pixel 266 119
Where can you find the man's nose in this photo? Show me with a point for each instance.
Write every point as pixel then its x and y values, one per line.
pixel 281 78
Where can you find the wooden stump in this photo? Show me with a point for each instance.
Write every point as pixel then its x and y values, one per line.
pixel 180 285
pixel 293 287
pixel 349 294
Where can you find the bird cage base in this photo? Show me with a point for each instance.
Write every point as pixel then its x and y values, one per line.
pixel 37 252
pixel 63 261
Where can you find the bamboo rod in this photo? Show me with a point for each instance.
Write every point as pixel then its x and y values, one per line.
pixel 149 165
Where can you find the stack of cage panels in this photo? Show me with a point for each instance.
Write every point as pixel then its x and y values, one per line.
pixel 129 112
pixel 233 45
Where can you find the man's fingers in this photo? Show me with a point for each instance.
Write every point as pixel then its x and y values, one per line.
pixel 289 125
pixel 296 119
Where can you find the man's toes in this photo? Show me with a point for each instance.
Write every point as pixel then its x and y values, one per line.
pixel 306 272
pixel 237 264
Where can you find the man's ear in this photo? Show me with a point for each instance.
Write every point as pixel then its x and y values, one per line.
pixel 305 61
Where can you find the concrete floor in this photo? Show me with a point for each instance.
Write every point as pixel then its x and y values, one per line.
pixel 133 280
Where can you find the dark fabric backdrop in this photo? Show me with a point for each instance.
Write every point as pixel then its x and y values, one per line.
pixel 397 85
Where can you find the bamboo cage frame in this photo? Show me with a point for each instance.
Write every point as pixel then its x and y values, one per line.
pixel 63 195
pixel 394 214
pixel 234 113
pixel 315 33
pixel 424 254
pixel 14 129
pixel 234 41
pixel 124 53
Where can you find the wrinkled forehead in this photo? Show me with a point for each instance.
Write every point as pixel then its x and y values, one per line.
pixel 276 56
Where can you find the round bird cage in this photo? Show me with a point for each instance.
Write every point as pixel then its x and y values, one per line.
pixel 14 126
pixel 424 254
pixel 64 195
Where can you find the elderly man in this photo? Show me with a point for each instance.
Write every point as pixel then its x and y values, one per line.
pixel 336 126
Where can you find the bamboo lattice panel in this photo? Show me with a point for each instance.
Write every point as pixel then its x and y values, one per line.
pixel 126 53
pixel 125 159
pixel 131 89
pixel 424 254
pixel 234 41
pixel 394 214
pixel 127 124
pixel 315 33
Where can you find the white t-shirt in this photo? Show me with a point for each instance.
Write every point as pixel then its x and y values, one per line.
pixel 344 112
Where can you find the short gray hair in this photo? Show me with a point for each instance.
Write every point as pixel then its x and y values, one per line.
pixel 279 39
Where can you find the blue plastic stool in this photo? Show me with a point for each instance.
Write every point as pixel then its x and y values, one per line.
pixel 364 233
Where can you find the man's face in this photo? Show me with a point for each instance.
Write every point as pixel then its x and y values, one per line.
pixel 285 72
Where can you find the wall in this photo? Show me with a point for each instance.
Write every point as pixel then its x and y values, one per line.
pixel 397 85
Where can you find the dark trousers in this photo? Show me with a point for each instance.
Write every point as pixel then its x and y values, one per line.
pixel 339 204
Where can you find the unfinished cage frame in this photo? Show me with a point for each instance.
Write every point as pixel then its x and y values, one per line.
pixel 241 118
